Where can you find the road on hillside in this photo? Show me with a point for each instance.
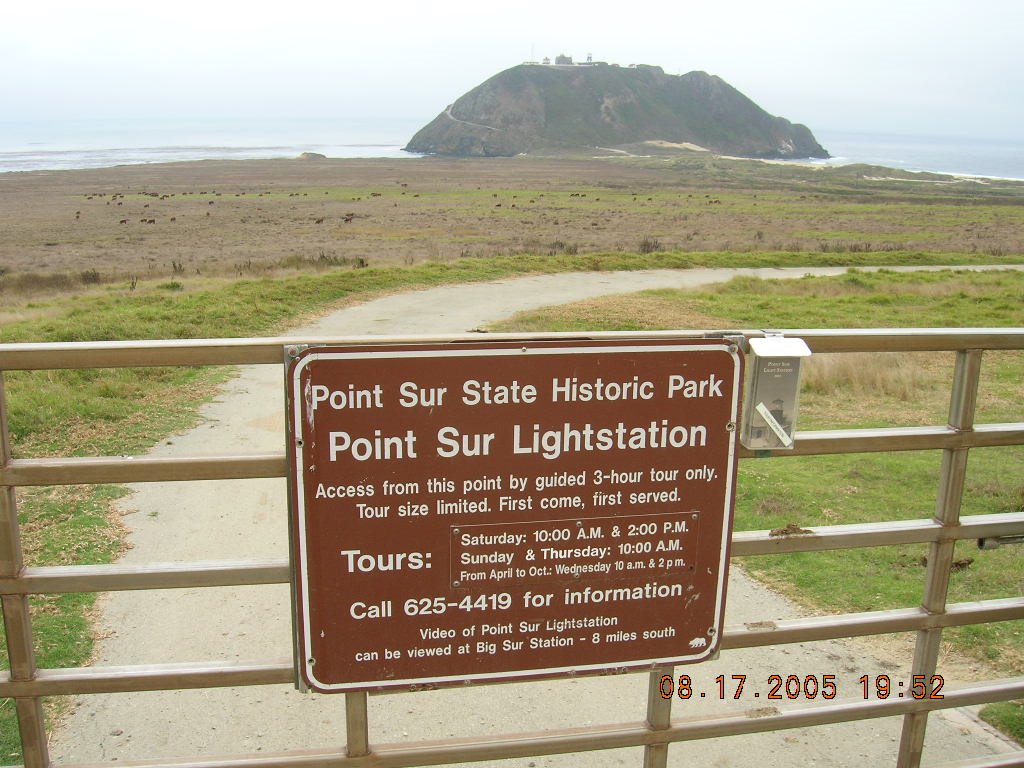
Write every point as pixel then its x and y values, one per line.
pixel 247 519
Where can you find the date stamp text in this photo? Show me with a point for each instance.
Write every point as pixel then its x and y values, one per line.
pixel 806 687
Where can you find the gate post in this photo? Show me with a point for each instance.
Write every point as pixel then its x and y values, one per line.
pixel 659 717
pixel 357 726
pixel 962 403
pixel 17 621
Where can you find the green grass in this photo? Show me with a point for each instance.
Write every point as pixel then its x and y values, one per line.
pixel 1008 717
pixel 834 490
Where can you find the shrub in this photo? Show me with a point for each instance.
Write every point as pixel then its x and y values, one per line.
pixel 650 244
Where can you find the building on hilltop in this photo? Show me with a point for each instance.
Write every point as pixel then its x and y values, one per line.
pixel 564 60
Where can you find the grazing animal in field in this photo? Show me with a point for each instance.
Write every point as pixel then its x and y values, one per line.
pixel 319 220
pixel 123 221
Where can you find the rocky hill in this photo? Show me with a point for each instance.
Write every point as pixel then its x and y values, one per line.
pixel 542 108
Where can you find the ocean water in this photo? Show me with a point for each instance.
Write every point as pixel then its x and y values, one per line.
pixel 956 155
pixel 40 145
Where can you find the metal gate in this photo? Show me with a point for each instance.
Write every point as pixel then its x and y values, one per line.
pixel 26 684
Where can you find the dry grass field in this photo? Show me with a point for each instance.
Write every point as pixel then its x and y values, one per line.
pixel 66 229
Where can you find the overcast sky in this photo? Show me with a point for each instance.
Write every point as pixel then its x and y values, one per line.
pixel 933 67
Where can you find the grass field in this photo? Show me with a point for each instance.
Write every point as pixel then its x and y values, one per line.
pixel 870 391
pixel 241 219
pixel 867 391
pixel 68 277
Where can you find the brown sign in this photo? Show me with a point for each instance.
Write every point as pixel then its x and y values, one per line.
pixel 478 512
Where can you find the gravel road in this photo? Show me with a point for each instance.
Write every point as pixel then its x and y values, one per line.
pixel 247 519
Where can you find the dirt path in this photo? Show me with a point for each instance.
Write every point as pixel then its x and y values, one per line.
pixel 450 116
pixel 247 519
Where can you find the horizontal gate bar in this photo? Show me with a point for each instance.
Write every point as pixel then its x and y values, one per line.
pixel 906 339
pixel 613 736
pixel 127 354
pixel 144 469
pixel 149 677
pixel 826 442
pixel 227 573
pixel 60 682
pixel 123 577
pixel 833 627
pixel 882 534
